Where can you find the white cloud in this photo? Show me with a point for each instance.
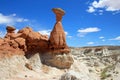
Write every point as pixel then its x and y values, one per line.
pixel 91 9
pixel 69 36
pixel 13 14
pixel 21 20
pixel 103 40
pixel 10 19
pixel 90 43
pixel 117 38
pixel 83 32
pixel 101 37
pixel 45 32
pixel 108 5
pixel 2 34
pixel 89 30
pixel 16 30
pixel 101 11
pixel 66 32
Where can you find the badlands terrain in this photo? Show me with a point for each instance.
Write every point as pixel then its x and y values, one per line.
pixel 90 63
pixel 30 55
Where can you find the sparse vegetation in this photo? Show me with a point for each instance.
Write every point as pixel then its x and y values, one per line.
pixel 96 64
pixel 117 72
pixel 104 74
pixel 87 51
pixel 90 70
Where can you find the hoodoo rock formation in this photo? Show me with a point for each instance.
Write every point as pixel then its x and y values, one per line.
pixel 10 45
pixel 57 37
pixel 57 45
pixel 52 50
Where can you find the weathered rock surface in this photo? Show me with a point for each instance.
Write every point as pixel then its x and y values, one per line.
pixel 101 61
pixel 11 66
pixel 85 67
pixel 34 41
pixel 71 75
pixel 57 38
pixel 11 44
pixel 10 32
pixel 97 50
pixel 35 62
pixel 59 13
pixel 18 67
pixel 62 61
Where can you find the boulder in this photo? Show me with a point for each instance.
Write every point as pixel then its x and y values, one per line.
pixel 59 13
pixel 10 32
pixel 74 75
pixel 71 75
pixel 62 61
pixel 10 28
pixel 35 62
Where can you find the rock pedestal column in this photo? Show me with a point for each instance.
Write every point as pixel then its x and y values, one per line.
pixel 58 37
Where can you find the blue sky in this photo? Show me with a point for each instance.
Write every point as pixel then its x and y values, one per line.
pixel 86 22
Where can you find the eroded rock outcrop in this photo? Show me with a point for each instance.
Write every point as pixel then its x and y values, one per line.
pixel 28 42
pixel 8 45
pixel 72 75
pixel 14 40
pixel 35 41
pixel 62 61
pixel 57 55
pixel 57 37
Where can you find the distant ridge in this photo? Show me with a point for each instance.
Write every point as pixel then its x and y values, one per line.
pixel 97 46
